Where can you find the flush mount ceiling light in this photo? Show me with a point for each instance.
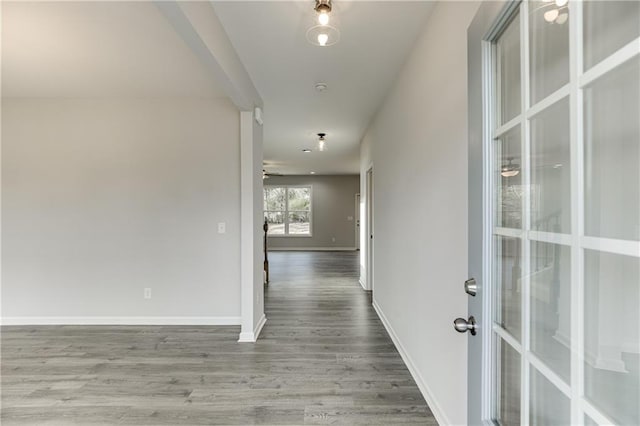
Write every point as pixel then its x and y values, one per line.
pixel 322 143
pixel 323 34
pixel 321 87
pixel 306 150
pixel 510 169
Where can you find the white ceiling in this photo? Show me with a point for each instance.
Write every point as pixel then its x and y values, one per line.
pixel 269 37
pixel 97 49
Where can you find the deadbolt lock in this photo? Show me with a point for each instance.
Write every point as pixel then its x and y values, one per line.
pixel 471 287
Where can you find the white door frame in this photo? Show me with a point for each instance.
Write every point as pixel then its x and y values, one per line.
pixel 357 221
pixel 370 227
pixel 479 364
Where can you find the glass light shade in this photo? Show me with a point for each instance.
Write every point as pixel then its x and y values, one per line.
pixel 322 145
pixel 562 18
pixel 323 35
pixel 551 15
pixel 323 18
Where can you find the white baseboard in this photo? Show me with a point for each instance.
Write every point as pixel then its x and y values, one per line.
pixel 312 249
pixel 252 336
pixel 121 321
pixel 362 284
pixel 436 409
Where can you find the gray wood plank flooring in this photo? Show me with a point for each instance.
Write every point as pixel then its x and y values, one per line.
pixel 323 358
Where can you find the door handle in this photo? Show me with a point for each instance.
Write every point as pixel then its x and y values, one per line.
pixel 462 325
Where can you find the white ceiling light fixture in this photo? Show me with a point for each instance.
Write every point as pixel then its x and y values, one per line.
pixel 322 143
pixel 321 87
pixel 323 34
pixel 323 9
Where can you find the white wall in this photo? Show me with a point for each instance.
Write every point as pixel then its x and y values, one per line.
pixel 333 203
pixel 102 198
pixel 418 146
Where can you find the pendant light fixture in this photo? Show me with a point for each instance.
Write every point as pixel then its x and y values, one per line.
pixel 323 34
pixel 510 169
pixel 323 9
pixel 322 143
pixel 555 11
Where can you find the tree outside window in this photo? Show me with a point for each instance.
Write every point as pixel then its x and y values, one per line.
pixel 288 210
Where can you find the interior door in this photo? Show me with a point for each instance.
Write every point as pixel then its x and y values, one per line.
pixel 369 236
pixel 357 221
pixel 554 213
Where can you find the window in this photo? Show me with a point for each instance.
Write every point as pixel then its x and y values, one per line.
pixel 288 210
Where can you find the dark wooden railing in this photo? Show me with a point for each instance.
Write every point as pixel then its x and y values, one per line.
pixel 266 259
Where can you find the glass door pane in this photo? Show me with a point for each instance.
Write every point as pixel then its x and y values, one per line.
pixel 549 406
pixel 550 202
pixel 548 47
pixel 509 380
pixel 508 178
pixel 612 153
pixel 508 283
pixel 612 339
pixel 508 53
pixel 550 283
pixel 608 26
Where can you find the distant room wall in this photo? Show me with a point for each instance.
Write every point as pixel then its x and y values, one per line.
pixel 104 198
pixel 333 203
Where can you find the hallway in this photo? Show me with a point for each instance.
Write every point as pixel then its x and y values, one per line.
pixel 322 358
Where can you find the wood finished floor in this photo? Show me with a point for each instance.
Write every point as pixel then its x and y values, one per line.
pixel 323 358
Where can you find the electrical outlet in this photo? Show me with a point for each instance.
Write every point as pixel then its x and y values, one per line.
pixel 350 218
pixel 147 293
pixel 222 228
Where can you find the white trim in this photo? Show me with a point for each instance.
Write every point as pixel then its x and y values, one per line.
pixel 549 374
pixel 508 232
pixel 252 336
pixel 287 235
pixel 627 248
pixel 370 221
pixel 508 338
pixel 550 237
pixel 427 393
pixel 609 64
pixel 576 141
pixel 312 249
pixel 362 284
pixel 488 377
pixel 500 131
pixel 550 100
pixel 121 320
pixel 595 414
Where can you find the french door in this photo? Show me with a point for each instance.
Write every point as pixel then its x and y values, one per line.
pixel 561 184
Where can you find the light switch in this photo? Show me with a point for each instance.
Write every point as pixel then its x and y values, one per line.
pixel 222 228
